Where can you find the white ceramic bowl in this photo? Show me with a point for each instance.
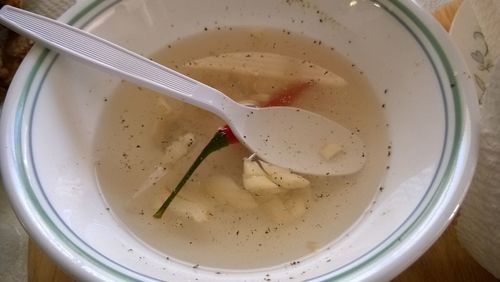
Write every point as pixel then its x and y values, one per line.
pixel 52 113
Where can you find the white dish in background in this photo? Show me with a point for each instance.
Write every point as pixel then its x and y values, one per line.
pixel 49 123
pixel 467 35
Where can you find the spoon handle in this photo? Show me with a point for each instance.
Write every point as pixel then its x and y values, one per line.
pixel 130 66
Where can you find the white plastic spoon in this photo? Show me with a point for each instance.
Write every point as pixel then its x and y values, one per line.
pixel 284 136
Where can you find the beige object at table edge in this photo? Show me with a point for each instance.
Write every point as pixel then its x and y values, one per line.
pixel 478 225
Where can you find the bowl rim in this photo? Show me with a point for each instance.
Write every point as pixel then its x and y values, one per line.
pixel 444 202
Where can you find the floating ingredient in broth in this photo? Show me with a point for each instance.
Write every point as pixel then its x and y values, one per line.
pixel 256 180
pixel 287 207
pixel 330 150
pixel 283 195
pixel 173 152
pixel 255 69
pixel 283 177
pixel 223 189
pixel 178 148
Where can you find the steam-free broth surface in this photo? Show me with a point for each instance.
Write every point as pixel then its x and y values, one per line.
pixel 147 141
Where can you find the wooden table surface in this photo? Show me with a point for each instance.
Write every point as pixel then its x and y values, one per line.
pixel 445 261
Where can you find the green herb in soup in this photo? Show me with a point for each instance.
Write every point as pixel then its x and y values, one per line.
pixel 250 213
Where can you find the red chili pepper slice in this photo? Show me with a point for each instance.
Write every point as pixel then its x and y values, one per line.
pixel 228 134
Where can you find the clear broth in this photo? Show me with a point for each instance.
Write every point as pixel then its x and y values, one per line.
pixel 137 124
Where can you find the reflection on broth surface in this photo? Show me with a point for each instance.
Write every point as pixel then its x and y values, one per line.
pixel 147 142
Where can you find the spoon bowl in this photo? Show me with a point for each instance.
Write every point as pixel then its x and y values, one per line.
pixel 291 137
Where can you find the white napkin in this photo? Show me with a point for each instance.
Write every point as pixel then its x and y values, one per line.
pixel 488 16
pixel 478 227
